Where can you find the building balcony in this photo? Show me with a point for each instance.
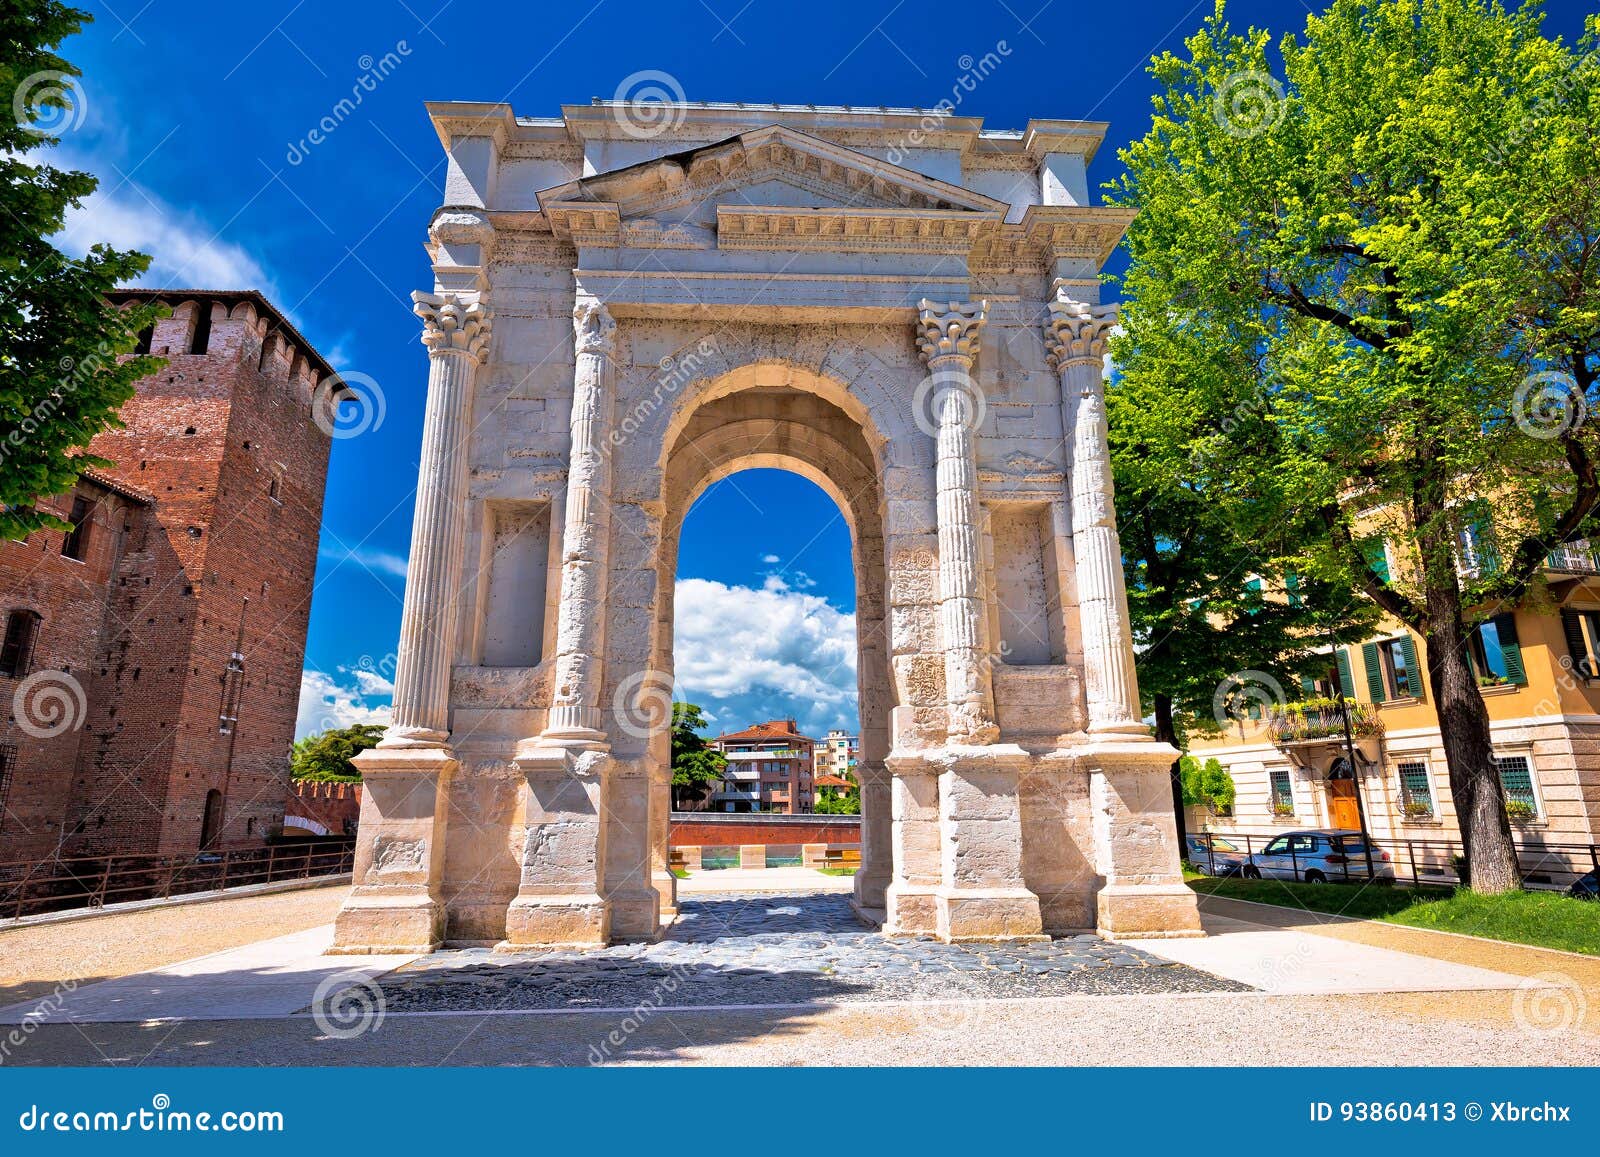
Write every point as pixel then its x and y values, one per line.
pixel 1574 558
pixel 1318 721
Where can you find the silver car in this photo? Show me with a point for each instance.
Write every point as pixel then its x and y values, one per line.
pixel 1214 856
pixel 1317 856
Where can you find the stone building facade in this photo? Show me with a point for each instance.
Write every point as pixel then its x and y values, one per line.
pixel 900 306
pixel 153 707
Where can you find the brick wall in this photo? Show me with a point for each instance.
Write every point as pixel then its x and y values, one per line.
pixel 701 829
pixel 224 446
pixel 334 807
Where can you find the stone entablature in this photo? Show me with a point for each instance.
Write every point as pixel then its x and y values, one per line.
pixel 812 289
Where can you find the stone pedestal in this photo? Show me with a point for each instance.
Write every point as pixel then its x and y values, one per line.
pixel 910 897
pixel 1136 842
pixel 395 905
pixel 877 840
pixel 559 901
pixel 981 895
pixel 752 855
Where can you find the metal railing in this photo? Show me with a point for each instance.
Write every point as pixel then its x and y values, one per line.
pixel 28 888
pixel 1577 557
pixel 1545 867
pixel 1321 719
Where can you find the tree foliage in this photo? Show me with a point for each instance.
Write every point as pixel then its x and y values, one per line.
pixel 696 768
pixel 1365 282
pixel 327 755
pixel 1207 784
pixel 62 378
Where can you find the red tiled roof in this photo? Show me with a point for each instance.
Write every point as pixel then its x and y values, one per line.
pixel 832 781
pixel 771 729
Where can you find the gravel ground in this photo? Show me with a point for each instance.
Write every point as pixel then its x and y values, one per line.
pixel 33 960
pixel 1202 1031
pixel 738 949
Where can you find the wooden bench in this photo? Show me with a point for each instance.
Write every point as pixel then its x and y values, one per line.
pixel 841 858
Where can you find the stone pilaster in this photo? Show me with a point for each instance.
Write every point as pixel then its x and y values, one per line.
pixel 395 905
pixel 1075 341
pixel 568 765
pixel 1130 795
pixel 948 337
pixel 877 850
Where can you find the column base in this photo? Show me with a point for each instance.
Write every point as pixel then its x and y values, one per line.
pixel 965 914
pixel 385 925
pixel 1147 911
pixel 581 920
pixel 872 891
pixel 910 911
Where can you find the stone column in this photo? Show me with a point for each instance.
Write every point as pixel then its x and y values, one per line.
pixel 1130 795
pixel 981 894
pixel 395 905
pixel 948 336
pixel 567 766
pixel 580 628
pixel 1075 344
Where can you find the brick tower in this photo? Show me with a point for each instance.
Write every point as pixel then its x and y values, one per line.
pixel 191 602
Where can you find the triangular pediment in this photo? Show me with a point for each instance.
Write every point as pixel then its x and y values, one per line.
pixel 767 168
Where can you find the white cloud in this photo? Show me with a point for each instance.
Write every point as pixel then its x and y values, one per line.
pixel 185 251
pixel 326 703
pixel 749 655
pixel 770 559
pixel 379 561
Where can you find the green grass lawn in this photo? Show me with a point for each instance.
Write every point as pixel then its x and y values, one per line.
pixel 1542 919
pixel 838 871
pixel 681 873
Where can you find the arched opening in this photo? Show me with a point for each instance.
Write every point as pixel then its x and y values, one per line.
pixel 211 820
pixel 765 420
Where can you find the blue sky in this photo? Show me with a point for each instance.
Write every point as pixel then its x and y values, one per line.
pixel 195 118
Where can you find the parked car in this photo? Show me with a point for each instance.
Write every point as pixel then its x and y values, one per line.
pixel 1214 856
pixel 1317 856
pixel 1586 887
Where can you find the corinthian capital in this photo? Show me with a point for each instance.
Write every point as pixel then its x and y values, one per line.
pixel 950 330
pixel 594 330
pixel 450 324
pixel 1077 332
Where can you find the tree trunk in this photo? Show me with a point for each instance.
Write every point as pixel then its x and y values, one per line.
pixel 1468 749
pixel 1167 732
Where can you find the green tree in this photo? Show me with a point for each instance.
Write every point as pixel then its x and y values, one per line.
pixel 696 768
pixel 1206 784
pixel 62 377
pixel 1356 271
pixel 327 755
pixel 1223 626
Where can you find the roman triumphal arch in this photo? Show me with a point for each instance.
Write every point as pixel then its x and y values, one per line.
pixel 901 306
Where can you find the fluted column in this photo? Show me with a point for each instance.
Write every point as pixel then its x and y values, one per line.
pixel 1075 343
pixel 457 333
pixel 575 714
pixel 396 904
pixel 948 337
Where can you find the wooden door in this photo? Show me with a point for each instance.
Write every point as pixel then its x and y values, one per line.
pixel 1342 811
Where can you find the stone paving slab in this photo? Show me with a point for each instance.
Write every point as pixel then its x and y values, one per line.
pixel 759 949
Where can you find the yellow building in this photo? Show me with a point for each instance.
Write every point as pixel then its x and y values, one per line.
pixel 1539 672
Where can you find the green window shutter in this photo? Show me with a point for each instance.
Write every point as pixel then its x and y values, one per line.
pixel 1510 647
pixel 1346 682
pixel 1408 647
pixel 1375 687
pixel 1308 686
pixel 1572 628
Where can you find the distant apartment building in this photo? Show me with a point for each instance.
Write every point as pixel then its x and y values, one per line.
pixel 1538 670
pixel 152 653
pixel 836 755
pixel 770 769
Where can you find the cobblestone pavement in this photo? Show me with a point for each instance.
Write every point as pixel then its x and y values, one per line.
pixel 744 949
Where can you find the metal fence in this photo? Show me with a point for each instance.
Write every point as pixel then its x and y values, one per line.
pixel 32 887
pixel 1545 867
